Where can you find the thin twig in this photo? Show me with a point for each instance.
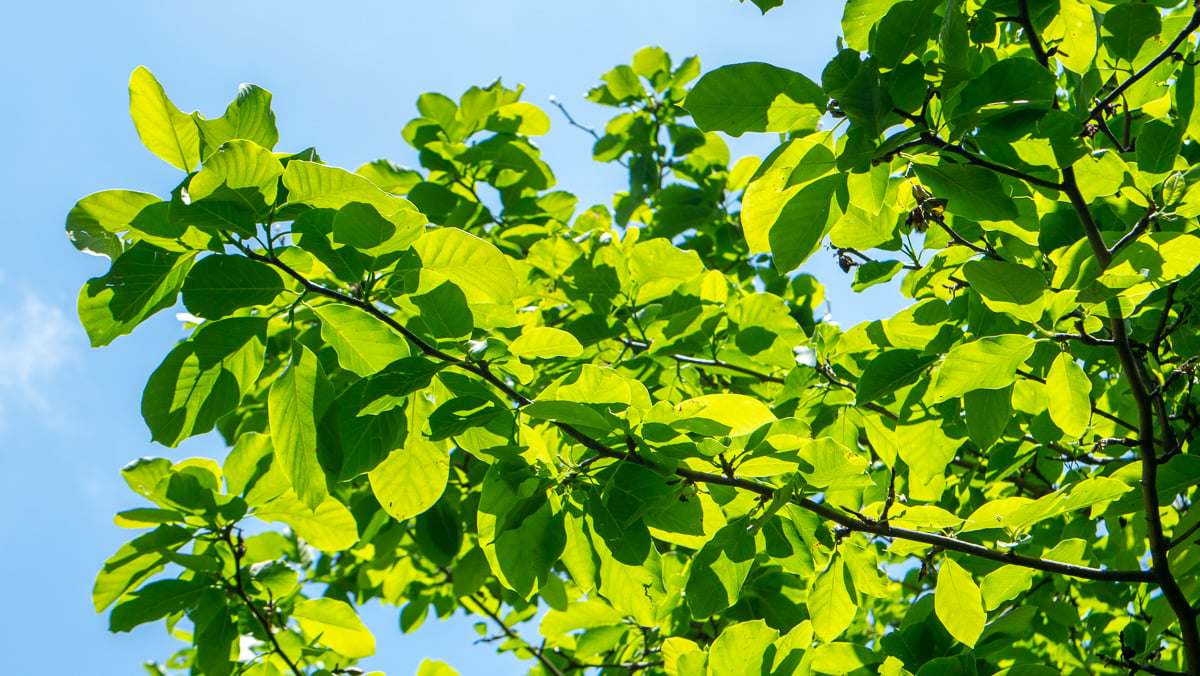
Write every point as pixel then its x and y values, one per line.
pixel 240 590
pixel 1098 109
pixel 1148 406
pixel 764 491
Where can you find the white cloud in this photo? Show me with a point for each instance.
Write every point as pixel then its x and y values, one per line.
pixel 35 341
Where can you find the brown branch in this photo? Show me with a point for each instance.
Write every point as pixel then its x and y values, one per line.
pixel 1095 409
pixel 1035 41
pixel 1098 109
pixel 240 590
pixel 1085 338
pixel 1175 542
pixel 509 632
pixel 931 139
pixel 640 346
pixel 766 492
pixel 1138 381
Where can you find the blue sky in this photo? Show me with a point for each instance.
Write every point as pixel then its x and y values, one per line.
pixel 345 79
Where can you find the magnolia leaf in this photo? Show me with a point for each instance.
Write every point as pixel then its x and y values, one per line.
pixel 335 624
pixel 544 342
pixel 164 129
pixel 831 604
pixel 958 603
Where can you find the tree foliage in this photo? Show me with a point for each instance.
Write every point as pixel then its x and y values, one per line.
pixel 454 389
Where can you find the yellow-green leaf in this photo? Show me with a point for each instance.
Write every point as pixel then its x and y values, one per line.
pixel 364 344
pixel 830 604
pixel 296 401
pixel 164 129
pixel 412 478
pixel 1070 395
pixel 330 527
pixel 958 603
pixel 543 342
pixel 731 415
pixel 337 625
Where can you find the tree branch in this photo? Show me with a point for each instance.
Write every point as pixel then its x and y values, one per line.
pixel 764 491
pixel 1098 109
pixel 1136 378
pixel 240 590
pixel 1035 41
pixel 509 632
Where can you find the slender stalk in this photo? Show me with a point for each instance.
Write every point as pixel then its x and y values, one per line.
pixel 1098 109
pixel 764 491
pixel 240 590
pixel 1138 380
pixel 509 632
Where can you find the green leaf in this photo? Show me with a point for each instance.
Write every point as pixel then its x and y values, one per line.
pixel 390 176
pixel 435 668
pixel 958 603
pixel 766 5
pixel 843 658
pixel 297 400
pixel 859 19
pixel 474 265
pixel 1100 174
pixel 215 633
pixel 163 128
pixel 755 97
pixel 520 526
pixel 1069 390
pixel 831 604
pixel 1005 584
pixel 1010 288
pixel 740 649
pixel 135 562
pixel 971 192
pixel 154 602
pixel 657 268
pixel 989 363
pixel 332 188
pixel 445 311
pixel 874 272
pixel 1008 85
pixel 1127 26
pixel 249 117
pixel 330 527
pixel 361 226
pixel 337 625
pixel 781 176
pixel 988 413
pixel 834 465
pixel 219 285
pixel 1078 47
pixel 1158 145
pixel 96 222
pixel 204 378
pixel 732 415
pixel 142 281
pixel 518 118
pixel 363 343
pixel 902 32
pixel 865 100
pixel 543 342
pixel 412 478
pixel 249 174
pixel 719 569
pixel 890 371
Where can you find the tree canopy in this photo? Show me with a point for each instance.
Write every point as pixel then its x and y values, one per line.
pixel 621 434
